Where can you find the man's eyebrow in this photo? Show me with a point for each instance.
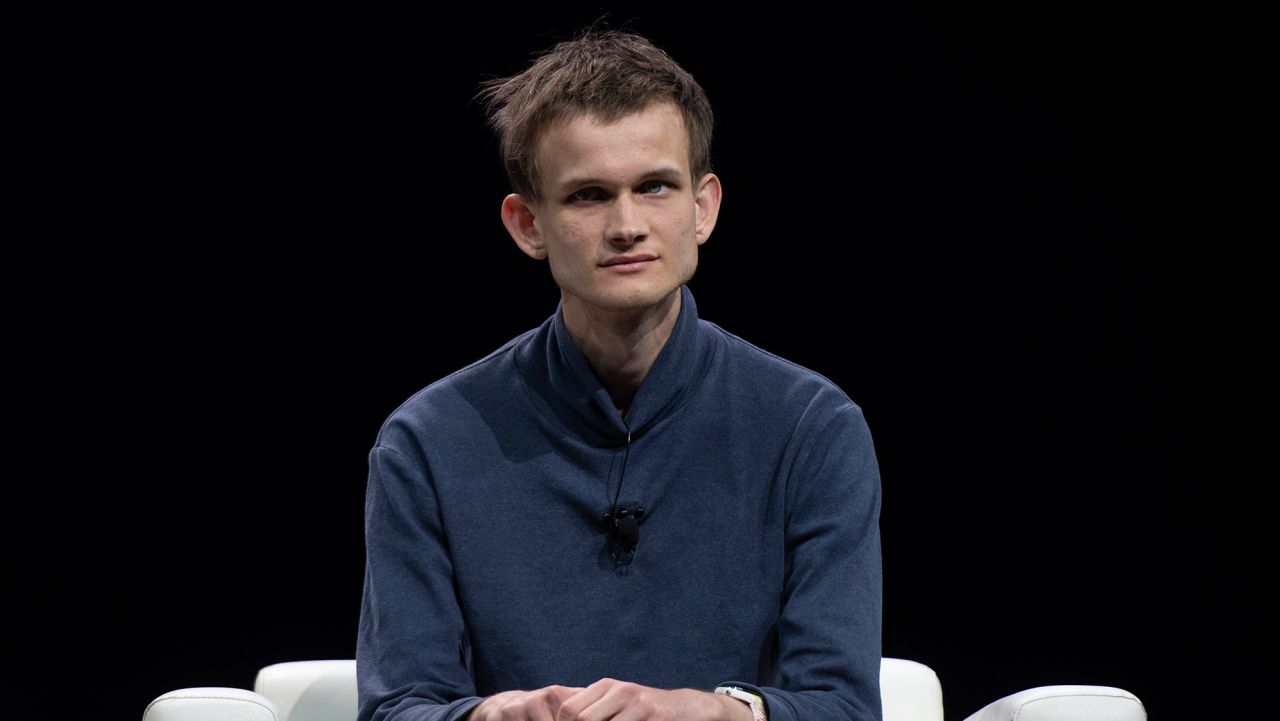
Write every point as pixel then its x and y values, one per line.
pixel 664 172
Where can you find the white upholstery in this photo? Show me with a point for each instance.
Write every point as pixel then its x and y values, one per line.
pixel 909 691
pixel 1065 703
pixel 311 690
pixel 212 704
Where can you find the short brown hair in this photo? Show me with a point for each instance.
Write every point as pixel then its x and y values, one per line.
pixel 606 73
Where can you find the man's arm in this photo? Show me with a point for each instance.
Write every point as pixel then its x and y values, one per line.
pixel 409 655
pixel 829 642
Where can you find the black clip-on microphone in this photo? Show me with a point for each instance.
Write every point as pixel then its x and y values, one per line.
pixel 624 532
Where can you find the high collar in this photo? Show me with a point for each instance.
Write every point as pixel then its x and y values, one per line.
pixel 556 370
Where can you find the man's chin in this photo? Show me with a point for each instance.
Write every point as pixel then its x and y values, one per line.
pixel 626 302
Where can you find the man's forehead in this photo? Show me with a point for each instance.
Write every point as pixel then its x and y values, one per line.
pixel 651 141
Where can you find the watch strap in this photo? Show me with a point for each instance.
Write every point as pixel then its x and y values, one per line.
pixel 753 700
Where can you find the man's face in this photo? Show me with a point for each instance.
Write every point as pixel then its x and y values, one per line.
pixel 618 191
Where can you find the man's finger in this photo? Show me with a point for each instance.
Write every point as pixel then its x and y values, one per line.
pixel 573 706
pixel 615 701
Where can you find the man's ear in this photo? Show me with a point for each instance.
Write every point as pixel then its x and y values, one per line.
pixel 707 207
pixel 520 216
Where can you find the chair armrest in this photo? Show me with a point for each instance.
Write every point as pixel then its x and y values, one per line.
pixel 211 704
pixel 1078 703
pixel 909 691
pixel 311 690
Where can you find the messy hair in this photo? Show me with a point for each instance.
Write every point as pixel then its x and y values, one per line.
pixel 604 73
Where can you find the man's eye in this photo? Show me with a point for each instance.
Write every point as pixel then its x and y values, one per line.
pixel 586 194
pixel 656 187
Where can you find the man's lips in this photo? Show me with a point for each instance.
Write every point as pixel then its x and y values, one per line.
pixel 621 259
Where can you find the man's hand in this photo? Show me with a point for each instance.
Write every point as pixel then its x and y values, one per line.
pixel 610 700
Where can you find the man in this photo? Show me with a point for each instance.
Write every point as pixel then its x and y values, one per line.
pixel 627 512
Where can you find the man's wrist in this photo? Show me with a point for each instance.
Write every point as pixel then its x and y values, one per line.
pixel 732 709
pixel 475 714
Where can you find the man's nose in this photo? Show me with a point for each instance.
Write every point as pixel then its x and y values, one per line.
pixel 626 220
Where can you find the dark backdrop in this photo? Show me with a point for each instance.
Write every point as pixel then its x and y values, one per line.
pixel 240 237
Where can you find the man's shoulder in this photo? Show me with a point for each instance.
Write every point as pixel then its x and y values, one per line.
pixel 774 380
pixel 456 396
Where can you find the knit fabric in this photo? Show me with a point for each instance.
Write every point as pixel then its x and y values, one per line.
pixel 758 561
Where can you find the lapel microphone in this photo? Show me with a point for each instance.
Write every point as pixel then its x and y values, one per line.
pixel 624 532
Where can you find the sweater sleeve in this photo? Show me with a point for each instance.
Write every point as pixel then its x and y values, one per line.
pixel 411 646
pixel 829 642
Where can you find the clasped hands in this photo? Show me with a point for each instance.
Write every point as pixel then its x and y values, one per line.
pixel 610 700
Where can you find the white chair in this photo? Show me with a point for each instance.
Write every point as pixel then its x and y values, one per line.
pixel 910 691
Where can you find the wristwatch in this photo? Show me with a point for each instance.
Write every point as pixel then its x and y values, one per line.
pixel 755 702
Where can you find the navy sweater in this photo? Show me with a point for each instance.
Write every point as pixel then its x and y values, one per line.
pixel 758 561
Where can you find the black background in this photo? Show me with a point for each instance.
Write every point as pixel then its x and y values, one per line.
pixel 239 238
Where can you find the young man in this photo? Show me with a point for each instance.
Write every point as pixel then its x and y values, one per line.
pixel 627 512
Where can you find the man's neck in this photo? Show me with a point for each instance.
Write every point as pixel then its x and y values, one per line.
pixel 622 346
